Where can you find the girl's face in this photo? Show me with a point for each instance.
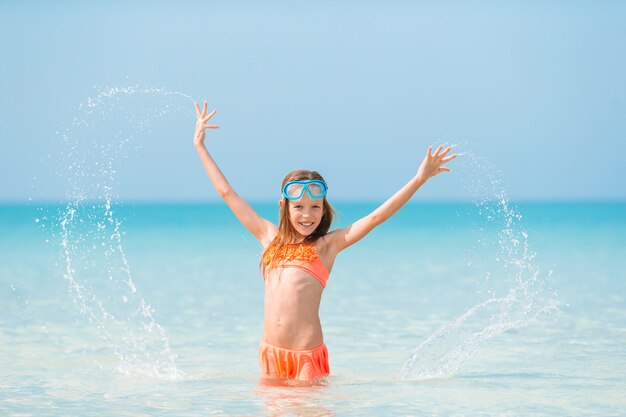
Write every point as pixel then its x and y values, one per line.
pixel 305 214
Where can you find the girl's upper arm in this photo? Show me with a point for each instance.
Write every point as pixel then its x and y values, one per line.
pixel 342 238
pixel 263 230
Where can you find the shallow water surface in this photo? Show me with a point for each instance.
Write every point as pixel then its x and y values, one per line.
pixel 195 270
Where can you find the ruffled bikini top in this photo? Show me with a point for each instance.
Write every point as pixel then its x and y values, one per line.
pixel 302 256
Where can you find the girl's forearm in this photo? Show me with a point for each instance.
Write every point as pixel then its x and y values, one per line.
pixel 215 174
pixel 399 199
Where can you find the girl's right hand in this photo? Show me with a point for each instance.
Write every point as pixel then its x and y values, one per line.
pixel 202 119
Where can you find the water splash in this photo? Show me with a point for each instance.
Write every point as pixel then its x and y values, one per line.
pixel 90 231
pixel 515 287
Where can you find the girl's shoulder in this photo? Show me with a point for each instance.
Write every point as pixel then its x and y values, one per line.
pixel 325 243
pixel 329 237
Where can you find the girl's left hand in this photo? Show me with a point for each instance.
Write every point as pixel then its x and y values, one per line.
pixel 433 163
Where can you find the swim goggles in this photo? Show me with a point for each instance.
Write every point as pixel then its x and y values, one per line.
pixel 294 190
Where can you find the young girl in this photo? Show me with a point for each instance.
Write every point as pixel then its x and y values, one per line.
pixel 298 256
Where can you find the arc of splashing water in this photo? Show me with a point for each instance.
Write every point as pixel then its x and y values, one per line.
pixel 521 305
pixel 128 347
pixel 110 92
pixel 97 313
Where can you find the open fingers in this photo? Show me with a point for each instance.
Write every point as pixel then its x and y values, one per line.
pixel 445 151
pixel 207 118
pixel 210 126
pixel 197 109
pixel 429 151
pixel 204 107
pixel 438 150
pixel 449 158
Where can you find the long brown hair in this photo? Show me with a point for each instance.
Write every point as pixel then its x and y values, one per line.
pixel 286 233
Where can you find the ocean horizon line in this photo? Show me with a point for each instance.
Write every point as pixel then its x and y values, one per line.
pixel 195 202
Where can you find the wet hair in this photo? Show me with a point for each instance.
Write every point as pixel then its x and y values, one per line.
pixel 286 232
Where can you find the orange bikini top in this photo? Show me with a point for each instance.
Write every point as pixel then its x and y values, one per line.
pixel 302 256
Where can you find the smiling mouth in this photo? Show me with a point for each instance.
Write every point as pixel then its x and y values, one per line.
pixel 309 224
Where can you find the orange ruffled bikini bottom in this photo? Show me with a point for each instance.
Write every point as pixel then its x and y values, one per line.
pixel 303 365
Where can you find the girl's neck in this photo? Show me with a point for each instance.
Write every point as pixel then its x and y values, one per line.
pixel 300 240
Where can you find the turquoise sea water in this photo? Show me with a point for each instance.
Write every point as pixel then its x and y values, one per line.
pixel 447 309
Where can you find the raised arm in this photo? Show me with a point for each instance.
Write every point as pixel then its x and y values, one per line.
pixel 431 166
pixel 262 229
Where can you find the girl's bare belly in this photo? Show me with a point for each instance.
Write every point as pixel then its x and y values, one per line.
pixel 291 319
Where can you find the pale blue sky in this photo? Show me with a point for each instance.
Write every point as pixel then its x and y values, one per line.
pixel 356 91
